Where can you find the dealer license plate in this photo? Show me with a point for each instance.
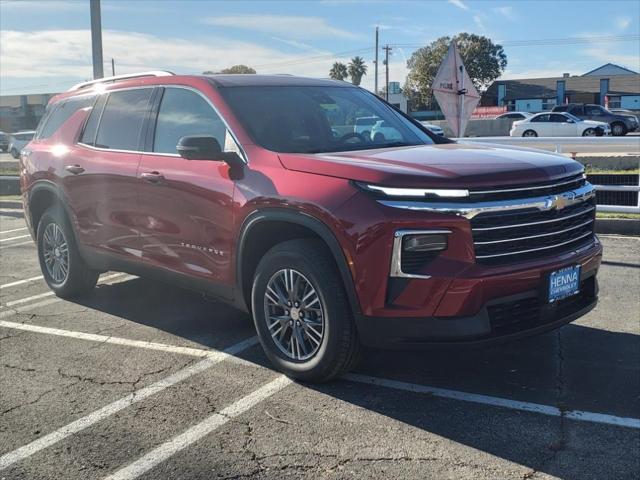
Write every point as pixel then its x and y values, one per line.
pixel 564 283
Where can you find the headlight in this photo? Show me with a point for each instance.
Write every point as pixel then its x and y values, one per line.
pixel 413 249
pixel 414 192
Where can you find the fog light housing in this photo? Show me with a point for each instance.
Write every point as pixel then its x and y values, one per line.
pixel 433 242
pixel 413 249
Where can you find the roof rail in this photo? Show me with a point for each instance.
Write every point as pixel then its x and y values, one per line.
pixel 153 73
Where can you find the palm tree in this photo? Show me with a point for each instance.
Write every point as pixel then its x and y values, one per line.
pixel 338 71
pixel 357 68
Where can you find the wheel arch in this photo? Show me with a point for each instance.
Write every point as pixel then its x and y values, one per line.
pixel 42 195
pixel 265 228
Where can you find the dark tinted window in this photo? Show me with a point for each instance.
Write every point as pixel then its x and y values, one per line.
pixel 91 127
pixel 561 108
pixel 183 112
pixel 122 119
pixel 559 118
pixel 62 112
pixel 540 118
pixel 315 119
pixel 577 110
pixel 594 111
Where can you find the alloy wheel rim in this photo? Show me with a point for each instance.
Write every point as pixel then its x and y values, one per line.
pixel 294 314
pixel 529 134
pixel 590 133
pixel 55 251
pixel 617 130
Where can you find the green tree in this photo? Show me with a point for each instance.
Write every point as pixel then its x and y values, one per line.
pixel 338 71
pixel 357 68
pixel 483 59
pixel 234 69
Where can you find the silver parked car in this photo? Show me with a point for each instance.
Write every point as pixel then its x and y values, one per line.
pixel 19 140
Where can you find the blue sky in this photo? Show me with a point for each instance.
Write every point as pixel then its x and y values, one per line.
pixel 45 45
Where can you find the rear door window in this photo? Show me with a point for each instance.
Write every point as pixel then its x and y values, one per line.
pixel 540 118
pixel 122 119
pixel 62 112
pixel 184 113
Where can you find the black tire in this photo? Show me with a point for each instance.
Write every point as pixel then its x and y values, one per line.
pixel 618 129
pixel 14 153
pixel 529 133
pixel 339 349
pixel 590 132
pixel 79 278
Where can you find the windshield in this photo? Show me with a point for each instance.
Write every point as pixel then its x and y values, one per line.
pixel 573 117
pixel 307 119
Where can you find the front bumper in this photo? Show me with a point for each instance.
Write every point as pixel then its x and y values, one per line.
pixel 499 320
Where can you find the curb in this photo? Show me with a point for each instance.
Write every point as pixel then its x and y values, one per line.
pixel 9 185
pixel 620 226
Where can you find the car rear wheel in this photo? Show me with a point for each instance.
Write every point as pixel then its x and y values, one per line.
pixel 529 133
pixel 618 129
pixel 590 132
pixel 62 267
pixel 301 312
pixel 15 153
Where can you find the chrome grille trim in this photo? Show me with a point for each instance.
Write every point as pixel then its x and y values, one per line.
pixel 572 179
pixel 471 209
pixel 584 224
pixel 486 229
pixel 520 252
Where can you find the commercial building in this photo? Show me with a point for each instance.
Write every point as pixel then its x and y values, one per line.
pixel 22 112
pixel 610 85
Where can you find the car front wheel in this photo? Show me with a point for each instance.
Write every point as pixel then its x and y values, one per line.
pixel 62 267
pixel 529 133
pixel 589 132
pixel 301 312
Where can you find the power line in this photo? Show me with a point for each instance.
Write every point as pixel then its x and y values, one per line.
pixel 549 41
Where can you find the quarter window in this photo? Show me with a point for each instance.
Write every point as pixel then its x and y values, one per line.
pixel 182 113
pixel 62 112
pixel 122 119
pixel 90 129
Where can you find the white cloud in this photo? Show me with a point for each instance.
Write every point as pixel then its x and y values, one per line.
pixel 506 11
pixel 459 4
pixel 478 20
pixel 623 22
pixel 292 25
pixel 51 53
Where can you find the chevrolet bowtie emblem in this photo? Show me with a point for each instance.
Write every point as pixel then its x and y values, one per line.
pixel 558 202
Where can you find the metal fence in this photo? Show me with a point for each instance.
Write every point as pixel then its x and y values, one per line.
pixel 574 146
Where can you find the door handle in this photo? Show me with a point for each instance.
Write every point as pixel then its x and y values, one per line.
pixel 75 169
pixel 152 177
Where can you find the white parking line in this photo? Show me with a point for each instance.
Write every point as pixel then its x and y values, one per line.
pixel 134 397
pixel 21 282
pixel 92 337
pixel 195 433
pixel 14 230
pixel 28 242
pixel 51 293
pixel 13 238
pixel 497 401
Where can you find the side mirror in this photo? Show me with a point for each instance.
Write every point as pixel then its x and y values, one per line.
pixel 570 121
pixel 199 148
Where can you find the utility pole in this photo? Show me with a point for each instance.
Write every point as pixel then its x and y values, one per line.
pixel 386 49
pixel 113 67
pixel 375 88
pixel 96 39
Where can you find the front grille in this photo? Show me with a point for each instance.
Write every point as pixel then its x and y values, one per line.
pixel 507 317
pixel 529 190
pixel 520 235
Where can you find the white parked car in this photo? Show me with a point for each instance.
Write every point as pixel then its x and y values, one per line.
pixel 515 116
pixel 558 124
pixel 19 140
pixel 383 132
pixel 433 128
pixel 364 125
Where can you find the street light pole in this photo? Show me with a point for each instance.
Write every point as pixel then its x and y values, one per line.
pixel 96 39
pixel 375 88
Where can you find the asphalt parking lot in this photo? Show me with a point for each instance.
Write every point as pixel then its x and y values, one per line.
pixel 143 380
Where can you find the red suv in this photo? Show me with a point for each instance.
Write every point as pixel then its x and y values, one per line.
pixel 264 192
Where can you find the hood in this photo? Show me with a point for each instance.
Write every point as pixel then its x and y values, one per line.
pixel 451 165
pixel 595 123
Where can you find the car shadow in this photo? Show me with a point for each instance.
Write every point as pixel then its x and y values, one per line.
pixel 574 368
